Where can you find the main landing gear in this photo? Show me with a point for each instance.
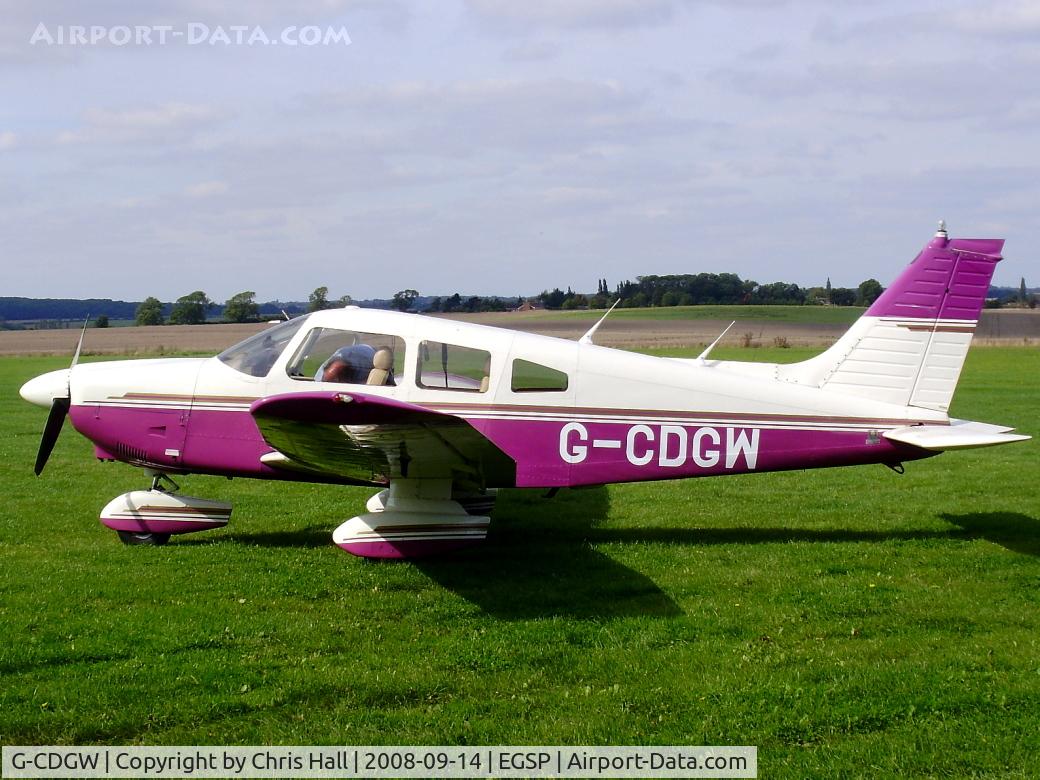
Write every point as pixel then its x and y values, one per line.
pixel 152 516
pixel 416 518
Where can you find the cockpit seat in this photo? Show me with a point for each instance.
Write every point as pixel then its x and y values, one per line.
pixel 382 367
pixel 485 381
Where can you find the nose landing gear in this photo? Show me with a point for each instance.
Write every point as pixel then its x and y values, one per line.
pixel 150 517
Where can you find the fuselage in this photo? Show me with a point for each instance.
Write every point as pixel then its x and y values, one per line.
pixel 583 415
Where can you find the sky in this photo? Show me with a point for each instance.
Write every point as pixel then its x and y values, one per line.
pixel 505 147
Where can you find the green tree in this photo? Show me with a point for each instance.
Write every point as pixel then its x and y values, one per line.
pixel 319 299
pixel 844 296
pixel 404 299
pixel 344 301
pixel 101 321
pixel 149 312
pixel 242 307
pixel 815 295
pixel 1023 295
pixel 554 299
pixel 868 292
pixel 190 309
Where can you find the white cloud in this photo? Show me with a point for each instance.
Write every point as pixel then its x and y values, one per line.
pixel 166 122
pixel 206 189
pixel 534 116
pixel 533 51
pixel 8 140
pixel 919 89
pixel 577 195
pixel 572 14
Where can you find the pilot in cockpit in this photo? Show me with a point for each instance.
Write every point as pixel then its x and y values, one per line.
pixel 358 364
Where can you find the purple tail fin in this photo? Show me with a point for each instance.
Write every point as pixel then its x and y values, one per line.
pixel 947 281
pixel 909 347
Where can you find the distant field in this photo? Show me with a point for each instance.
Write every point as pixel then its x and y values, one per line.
pixel 851 623
pixel 809 314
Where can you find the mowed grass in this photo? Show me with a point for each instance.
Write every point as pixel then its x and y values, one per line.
pixel 849 622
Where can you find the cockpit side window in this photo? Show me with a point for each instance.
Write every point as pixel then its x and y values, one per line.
pixel 450 367
pixel 348 357
pixel 258 353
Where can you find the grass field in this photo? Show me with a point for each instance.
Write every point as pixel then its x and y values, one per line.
pixel 848 622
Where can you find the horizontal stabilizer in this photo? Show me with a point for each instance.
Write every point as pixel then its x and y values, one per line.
pixel 958 435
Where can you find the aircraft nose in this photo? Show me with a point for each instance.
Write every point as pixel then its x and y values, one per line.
pixel 43 389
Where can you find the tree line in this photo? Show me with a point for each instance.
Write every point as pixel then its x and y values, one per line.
pixel 195 307
pixel 706 289
pixel 645 291
pixel 671 290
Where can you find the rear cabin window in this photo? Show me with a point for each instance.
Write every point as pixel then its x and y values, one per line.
pixel 531 377
pixel 348 357
pixel 450 367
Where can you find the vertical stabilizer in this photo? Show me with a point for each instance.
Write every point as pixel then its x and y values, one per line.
pixel 909 347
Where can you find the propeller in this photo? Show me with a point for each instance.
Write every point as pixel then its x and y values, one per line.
pixel 59 411
pixel 55 421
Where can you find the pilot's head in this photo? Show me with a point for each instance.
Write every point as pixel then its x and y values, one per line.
pixel 337 370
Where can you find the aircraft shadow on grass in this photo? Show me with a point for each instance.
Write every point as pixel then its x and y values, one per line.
pixel 1016 532
pixel 1011 530
pixel 540 559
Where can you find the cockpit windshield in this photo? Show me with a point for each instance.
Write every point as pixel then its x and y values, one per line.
pixel 258 353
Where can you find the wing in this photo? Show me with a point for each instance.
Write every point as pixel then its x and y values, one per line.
pixel 368 438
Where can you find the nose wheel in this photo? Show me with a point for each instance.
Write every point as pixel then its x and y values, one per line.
pixel 145 537
pixel 132 537
pixel 150 517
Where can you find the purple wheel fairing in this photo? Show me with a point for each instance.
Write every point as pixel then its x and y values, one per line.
pixel 160 525
pixel 406 549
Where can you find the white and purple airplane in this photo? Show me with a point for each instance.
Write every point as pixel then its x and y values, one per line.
pixel 439 414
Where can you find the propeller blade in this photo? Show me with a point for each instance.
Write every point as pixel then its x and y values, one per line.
pixel 59 411
pixel 55 420
pixel 79 346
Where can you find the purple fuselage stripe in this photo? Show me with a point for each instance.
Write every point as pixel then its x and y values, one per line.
pixel 548 453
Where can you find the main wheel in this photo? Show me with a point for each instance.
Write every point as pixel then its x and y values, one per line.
pixel 133 537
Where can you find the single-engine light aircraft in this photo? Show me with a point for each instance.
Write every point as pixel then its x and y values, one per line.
pixel 439 414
